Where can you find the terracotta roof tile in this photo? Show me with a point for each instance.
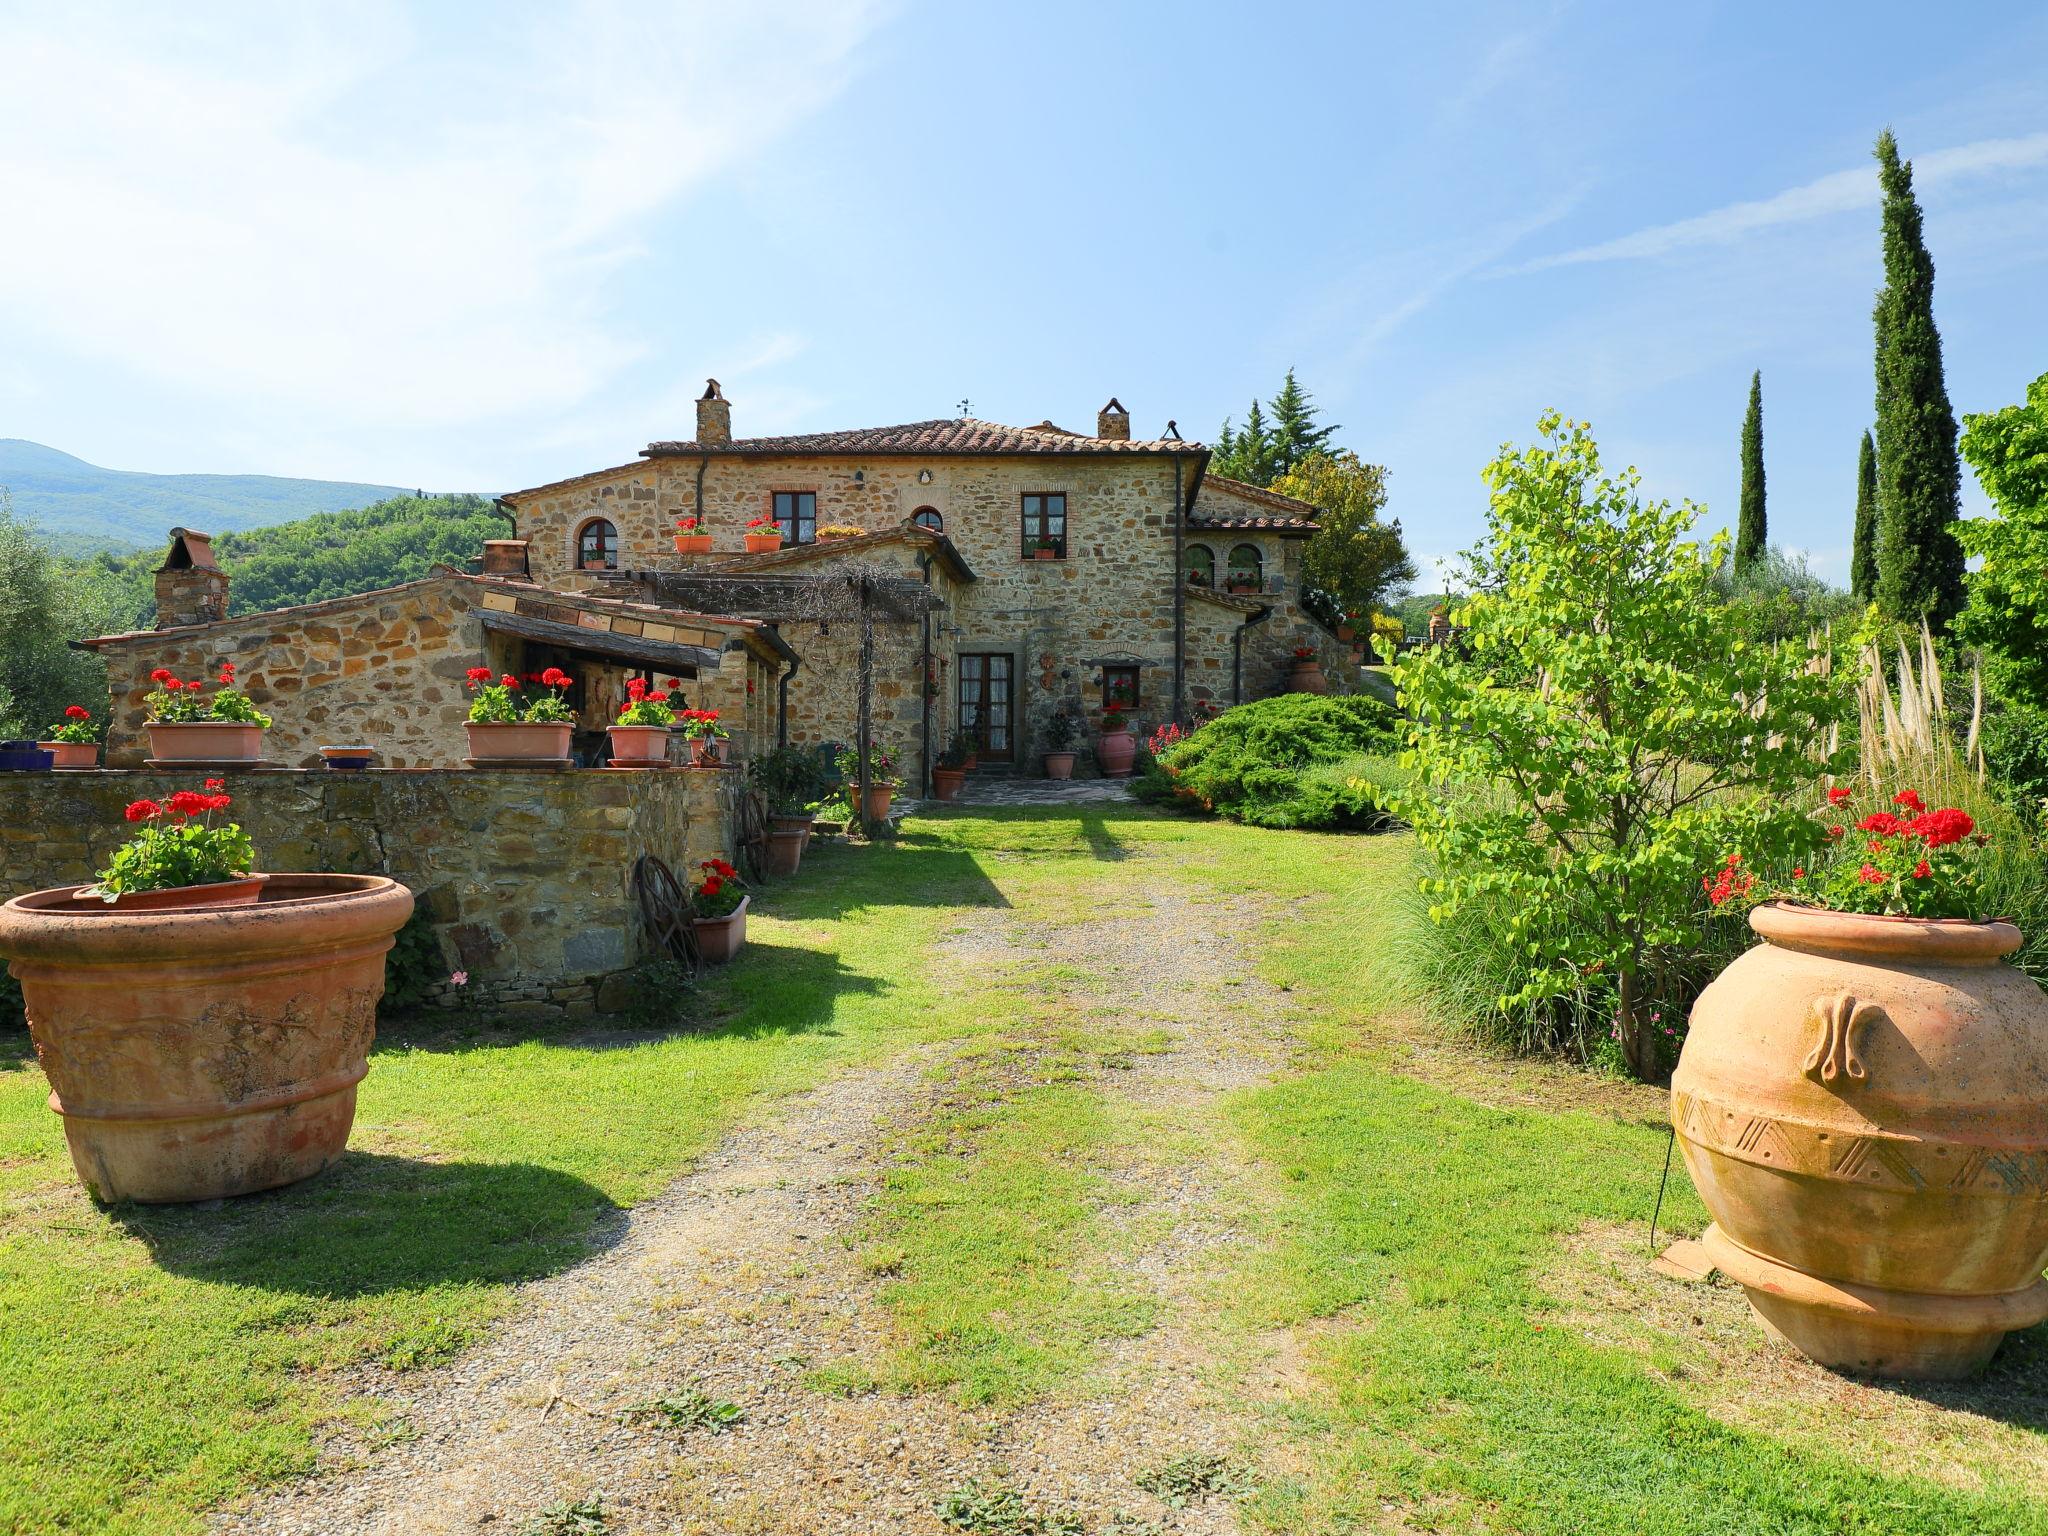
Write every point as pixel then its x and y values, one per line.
pixel 1288 514
pixel 959 434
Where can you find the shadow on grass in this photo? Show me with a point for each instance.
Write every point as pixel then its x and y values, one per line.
pixel 1102 843
pixel 374 1224
pixel 16 1049
pixel 912 869
pixel 2013 1388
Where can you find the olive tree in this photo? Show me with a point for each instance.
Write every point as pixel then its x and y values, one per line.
pixel 1622 737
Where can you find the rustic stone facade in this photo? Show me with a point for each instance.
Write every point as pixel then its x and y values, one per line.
pixel 524 878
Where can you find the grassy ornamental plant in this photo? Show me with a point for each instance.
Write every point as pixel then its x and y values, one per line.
pixel 1621 737
pixel 77 727
pixel 179 844
pixel 174 702
pixel 645 705
pixel 497 702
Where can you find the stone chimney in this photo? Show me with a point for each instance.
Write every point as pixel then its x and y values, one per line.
pixel 507 558
pixel 714 415
pixel 191 588
pixel 1113 422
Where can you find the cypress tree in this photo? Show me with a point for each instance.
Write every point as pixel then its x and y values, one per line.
pixel 1863 552
pixel 1749 531
pixel 1919 479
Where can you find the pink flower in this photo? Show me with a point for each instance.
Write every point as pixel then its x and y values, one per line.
pixel 458 979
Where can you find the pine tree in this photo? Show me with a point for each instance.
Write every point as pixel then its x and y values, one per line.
pixel 1919 479
pixel 1245 455
pixel 1749 531
pixel 1296 433
pixel 1863 552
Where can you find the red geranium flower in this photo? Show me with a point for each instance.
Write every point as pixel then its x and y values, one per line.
pixel 555 677
pixel 657 697
pixel 636 689
pixel 1921 870
pixel 227 674
pixel 509 680
pixel 1839 794
pixel 1910 799
pixel 713 885
pixel 1834 831
pixel 1942 827
pixel 76 712
pixel 1870 874
pixel 479 675
pixel 216 783
pixel 1882 822
pixel 143 810
pixel 195 685
pixel 189 802
pixel 675 682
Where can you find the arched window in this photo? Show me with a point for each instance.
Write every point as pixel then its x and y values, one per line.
pixel 597 546
pixel 1247 567
pixel 928 517
pixel 1201 565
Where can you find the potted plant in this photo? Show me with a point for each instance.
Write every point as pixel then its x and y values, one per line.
pixel 1117 748
pixel 203 1037
pixel 1240 582
pixel 831 531
pixel 719 911
pixel 1043 548
pixel 639 736
pixel 793 781
pixel 74 744
pixel 1305 672
pixel 690 537
pixel 882 780
pixel 187 727
pixel 1347 627
pixel 504 729
pixel 1859 1099
pixel 1060 731
pixel 764 535
pixel 949 773
pixel 706 737
pixel 348 758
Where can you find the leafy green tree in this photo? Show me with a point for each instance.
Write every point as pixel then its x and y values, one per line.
pixel 2008 608
pixel 1355 559
pixel 1777 596
pixel 44 604
pixel 1863 552
pixel 1749 529
pixel 1297 435
pixel 1919 482
pixel 1622 739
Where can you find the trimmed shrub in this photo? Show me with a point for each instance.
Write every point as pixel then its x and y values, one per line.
pixel 1298 760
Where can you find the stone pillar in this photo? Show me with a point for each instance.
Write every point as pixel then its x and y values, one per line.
pixel 714 415
pixel 191 588
pixel 1113 422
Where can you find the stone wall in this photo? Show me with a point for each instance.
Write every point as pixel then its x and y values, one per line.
pixel 526 878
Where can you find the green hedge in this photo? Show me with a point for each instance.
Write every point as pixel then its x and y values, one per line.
pixel 1299 760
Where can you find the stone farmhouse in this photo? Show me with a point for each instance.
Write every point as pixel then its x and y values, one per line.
pixel 997 575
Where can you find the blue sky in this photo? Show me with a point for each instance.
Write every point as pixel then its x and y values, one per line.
pixel 487 246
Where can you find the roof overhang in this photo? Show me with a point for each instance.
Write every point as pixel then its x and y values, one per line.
pixel 660 654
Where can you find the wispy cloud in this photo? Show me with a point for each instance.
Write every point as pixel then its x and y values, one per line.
pixel 335 212
pixel 1506 59
pixel 1838 192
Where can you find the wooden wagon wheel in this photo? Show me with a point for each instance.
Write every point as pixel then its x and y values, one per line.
pixel 668 911
pixel 753 836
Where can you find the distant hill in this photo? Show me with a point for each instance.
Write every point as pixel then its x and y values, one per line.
pixel 80 507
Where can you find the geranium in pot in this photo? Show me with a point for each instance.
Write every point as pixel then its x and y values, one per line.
pixel 1060 732
pixel 639 736
pixel 793 781
pixel 75 743
pixel 949 773
pixel 707 738
pixel 719 913
pixel 829 532
pixel 690 537
pixel 188 726
pixel 1859 1099
pixel 882 780
pixel 1305 672
pixel 1117 748
pixel 1043 548
pixel 764 535
pixel 203 1029
pixel 504 728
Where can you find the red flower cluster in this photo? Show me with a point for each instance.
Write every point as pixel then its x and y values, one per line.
pixel 478 676
pixel 636 690
pixel 687 524
pixel 183 803
pixel 1839 794
pixel 764 522
pixel 1164 736
pixel 555 677
pixel 1937 829
pixel 227 674
pixel 1728 882
pixel 698 716
pixel 167 680
pixel 143 810
pixel 717 873
pixel 76 712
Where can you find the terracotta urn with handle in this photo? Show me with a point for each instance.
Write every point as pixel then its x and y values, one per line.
pixel 1862 1103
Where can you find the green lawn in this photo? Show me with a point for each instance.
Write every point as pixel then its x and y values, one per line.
pixel 156 1362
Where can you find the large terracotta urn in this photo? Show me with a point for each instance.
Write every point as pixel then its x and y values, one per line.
pixel 1305 675
pixel 1863 1105
pixel 206 1050
pixel 788 836
pixel 1117 752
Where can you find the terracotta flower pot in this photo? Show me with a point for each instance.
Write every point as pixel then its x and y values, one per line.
pixel 788 836
pixel 518 740
pixel 208 1051
pixel 947 783
pixel 1306 676
pixel 205 741
pixel 72 754
pixel 876 805
pixel 707 751
pixel 693 543
pixel 1116 751
pixel 646 745
pixel 1059 765
pixel 763 543
pixel 720 938
pixel 1859 1101
pixel 1045 554
pixel 215 893
pixel 1345 632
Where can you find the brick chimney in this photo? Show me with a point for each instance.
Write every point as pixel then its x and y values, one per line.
pixel 714 415
pixel 1113 422
pixel 191 588
pixel 507 558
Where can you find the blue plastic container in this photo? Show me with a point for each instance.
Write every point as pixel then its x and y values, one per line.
pixel 24 757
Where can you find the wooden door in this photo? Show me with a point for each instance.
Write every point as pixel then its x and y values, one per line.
pixel 987 704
